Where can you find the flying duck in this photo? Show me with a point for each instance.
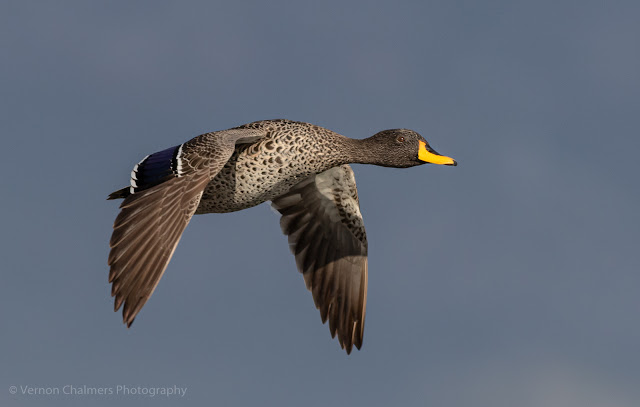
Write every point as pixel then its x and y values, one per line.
pixel 301 168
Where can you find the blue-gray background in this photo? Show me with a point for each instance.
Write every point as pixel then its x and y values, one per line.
pixel 510 280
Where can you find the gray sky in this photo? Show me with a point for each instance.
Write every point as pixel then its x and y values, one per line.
pixel 511 279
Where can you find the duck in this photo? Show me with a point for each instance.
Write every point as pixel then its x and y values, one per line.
pixel 303 169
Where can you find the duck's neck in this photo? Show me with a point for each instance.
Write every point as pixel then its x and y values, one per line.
pixel 361 151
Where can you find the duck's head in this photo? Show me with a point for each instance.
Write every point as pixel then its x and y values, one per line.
pixel 403 148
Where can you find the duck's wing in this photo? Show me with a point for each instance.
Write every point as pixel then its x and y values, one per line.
pixel 321 216
pixel 165 191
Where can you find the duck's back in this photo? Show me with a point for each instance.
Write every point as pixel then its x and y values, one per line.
pixel 259 172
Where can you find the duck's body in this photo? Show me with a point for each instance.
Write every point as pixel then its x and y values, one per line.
pixel 300 167
pixel 288 153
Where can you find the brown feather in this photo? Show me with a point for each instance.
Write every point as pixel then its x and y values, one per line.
pixel 327 249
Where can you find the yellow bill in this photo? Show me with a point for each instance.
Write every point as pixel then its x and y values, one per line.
pixel 428 155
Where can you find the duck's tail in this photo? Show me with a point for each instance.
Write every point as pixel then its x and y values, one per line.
pixel 120 194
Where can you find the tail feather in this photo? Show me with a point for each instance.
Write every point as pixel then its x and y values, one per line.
pixel 120 194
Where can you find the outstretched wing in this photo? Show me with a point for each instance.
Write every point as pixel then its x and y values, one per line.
pixel 165 191
pixel 321 216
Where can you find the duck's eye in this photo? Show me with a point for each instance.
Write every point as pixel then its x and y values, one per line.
pixel 400 139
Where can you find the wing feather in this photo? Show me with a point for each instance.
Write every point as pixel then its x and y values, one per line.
pixel 321 217
pixel 153 216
